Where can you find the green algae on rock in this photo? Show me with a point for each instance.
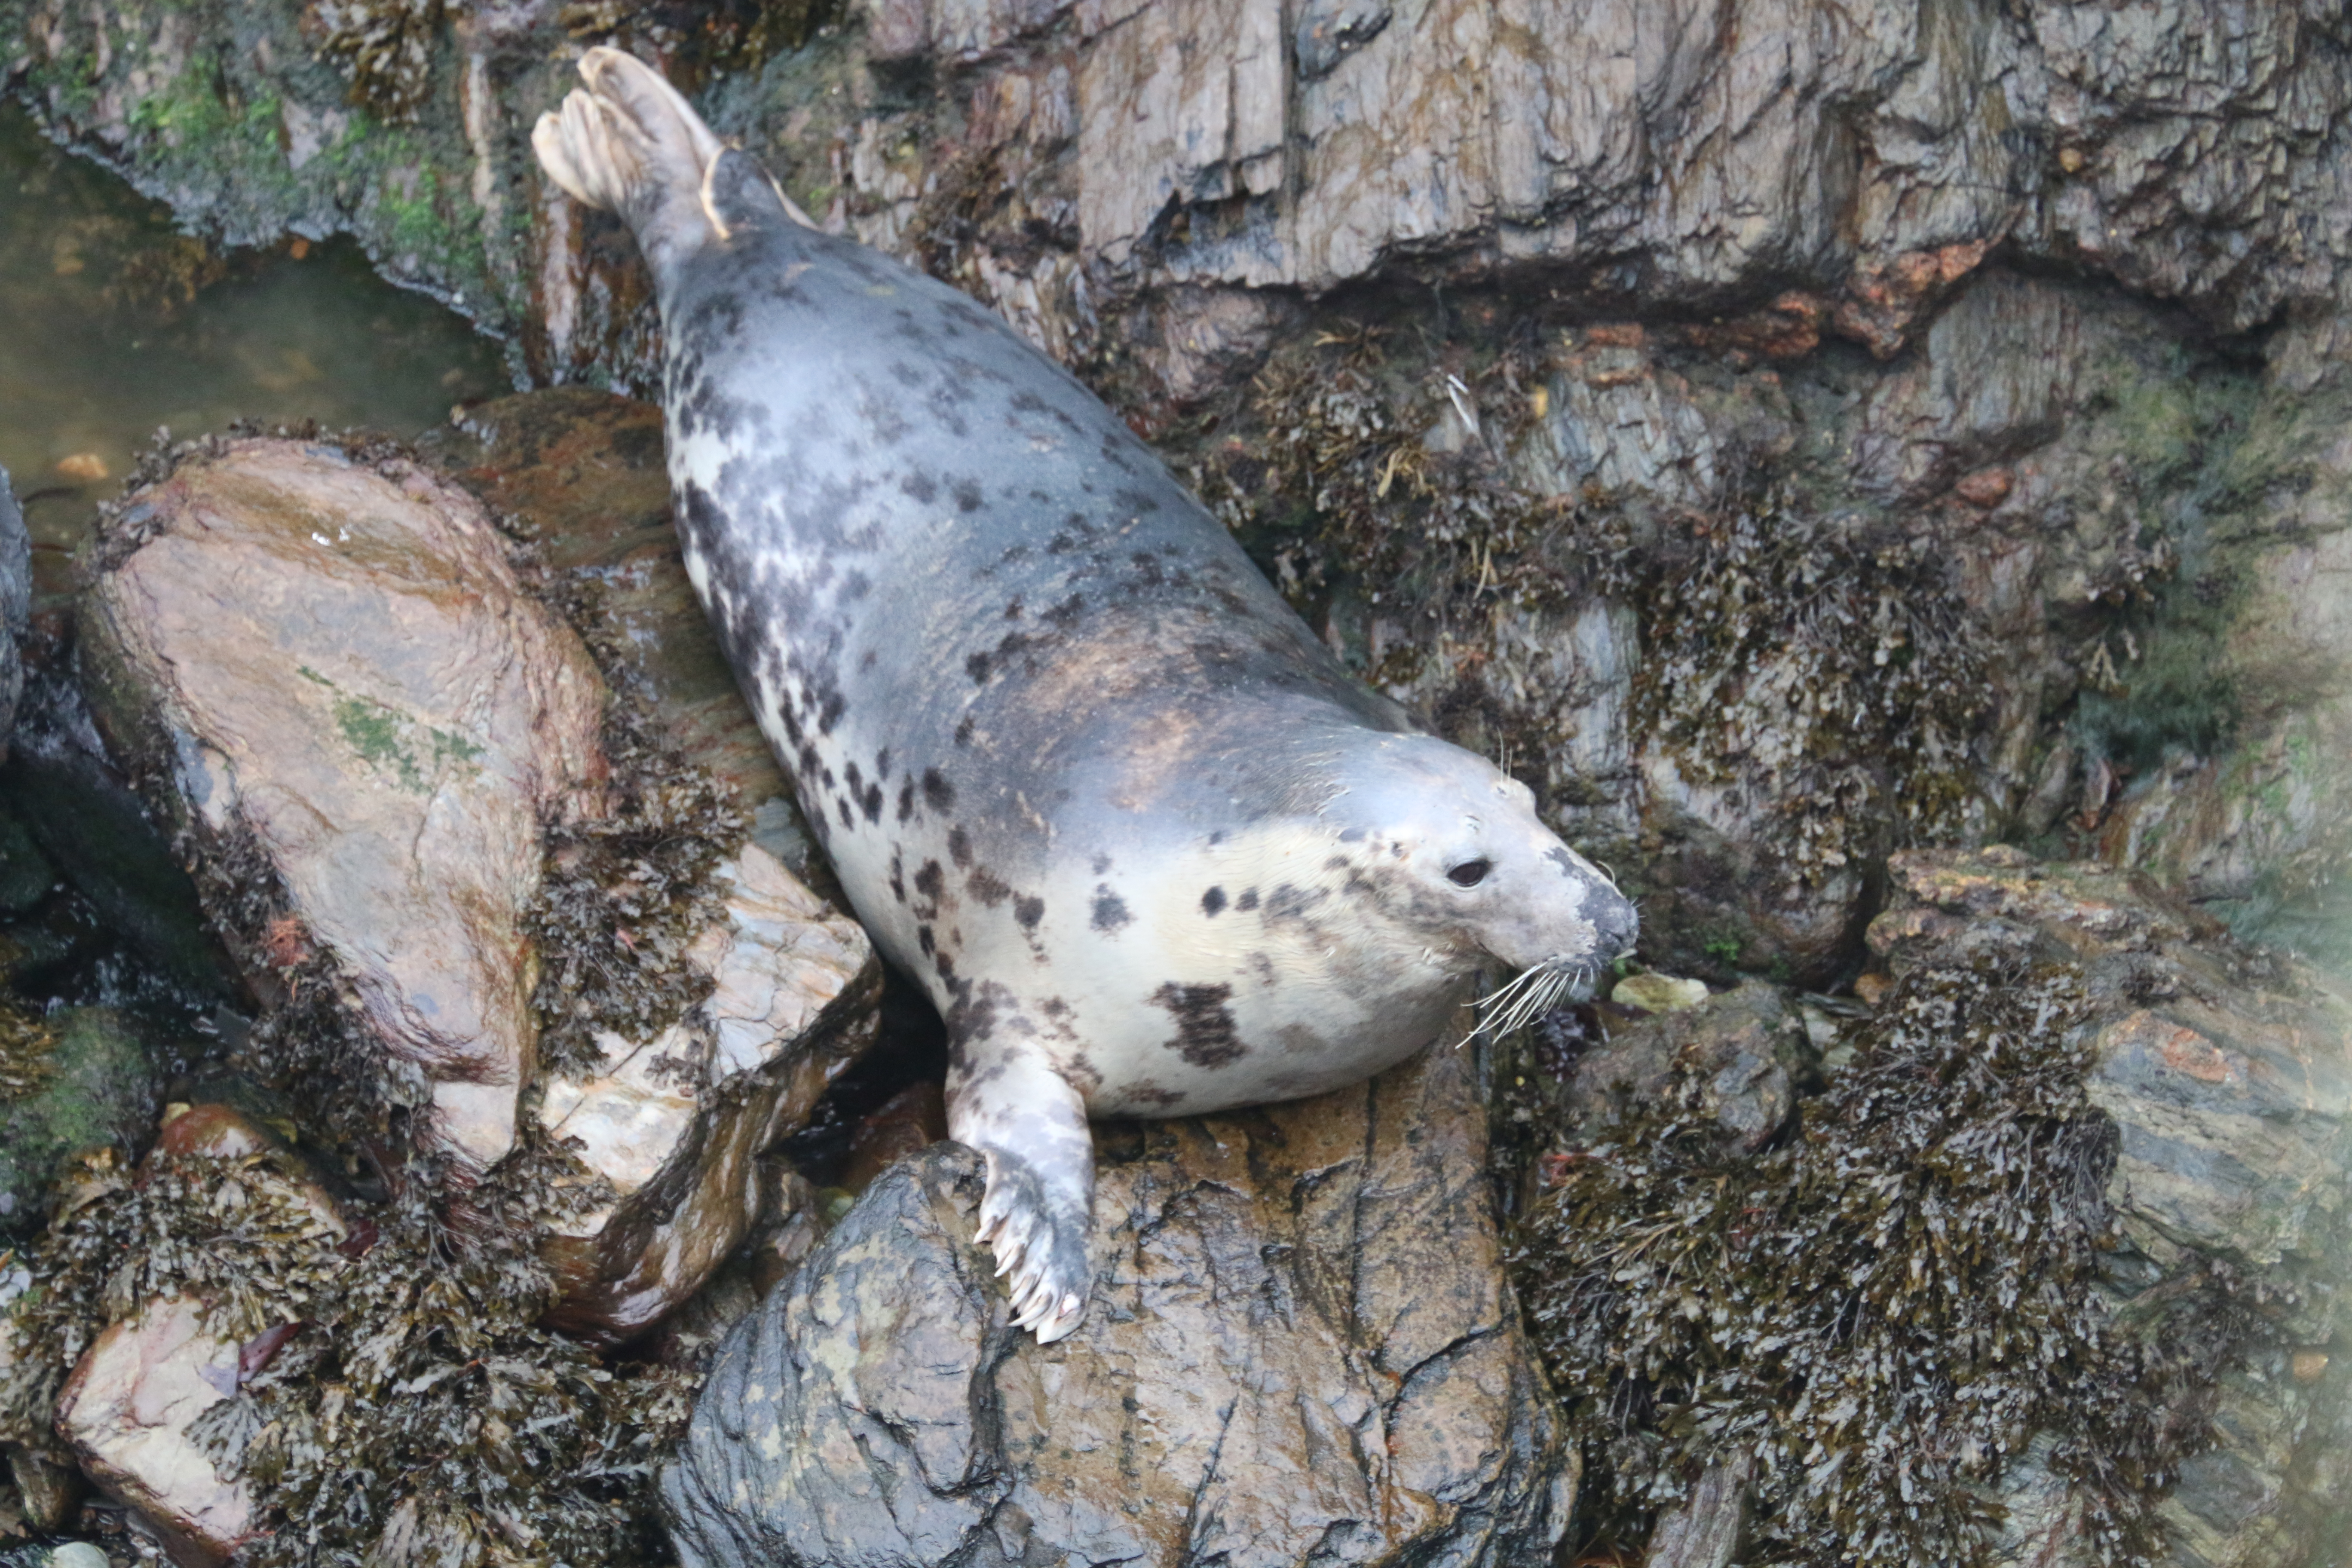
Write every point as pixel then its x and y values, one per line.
pixel 82 1079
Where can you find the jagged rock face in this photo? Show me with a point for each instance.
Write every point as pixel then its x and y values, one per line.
pixel 1301 1347
pixel 336 681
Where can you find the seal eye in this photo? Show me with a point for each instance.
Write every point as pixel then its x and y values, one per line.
pixel 1470 873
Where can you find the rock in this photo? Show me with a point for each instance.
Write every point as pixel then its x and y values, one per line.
pixel 1301 1347
pixel 1749 1046
pixel 48 1484
pixel 580 474
pixel 131 1405
pixel 1705 1530
pixel 56 1554
pixel 347 705
pixel 104 1087
pixel 127 1409
pixel 1659 993
pixel 16 605
pixel 908 1122
pixel 676 1125
pixel 2227 1072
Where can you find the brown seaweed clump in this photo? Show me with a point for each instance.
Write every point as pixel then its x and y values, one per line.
pixel 27 1053
pixel 626 894
pixel 1828 669
pixel 419 1414
pixel 1887 1308
pixel 383 47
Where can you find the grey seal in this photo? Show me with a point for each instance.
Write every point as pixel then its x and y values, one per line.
pixel 1079 768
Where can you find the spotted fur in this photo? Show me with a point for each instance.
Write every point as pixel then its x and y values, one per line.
pixel 1079 768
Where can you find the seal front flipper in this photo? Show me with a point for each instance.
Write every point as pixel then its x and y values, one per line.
pixel 1012 1104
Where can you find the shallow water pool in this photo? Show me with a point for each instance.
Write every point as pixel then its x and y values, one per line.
pixel 113 324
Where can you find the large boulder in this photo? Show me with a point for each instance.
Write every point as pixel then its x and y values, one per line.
pixel 355 720
pixel 1301 1348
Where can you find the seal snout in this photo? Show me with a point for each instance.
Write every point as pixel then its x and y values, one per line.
pixel 1615 922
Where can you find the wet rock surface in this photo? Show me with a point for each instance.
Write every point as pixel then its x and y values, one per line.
pixel 355 720
pixel 1301 1348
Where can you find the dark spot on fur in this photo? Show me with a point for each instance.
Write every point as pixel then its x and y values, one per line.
pixel 930 881
pixel 938 793
pixel 1152 1094
pixel 959 846
pixel 1012 610
pixel 1206 1033
pixel 963 731
pixel 921 487
pixel 1064 616
pixel 836 705
pixel 976 665
pixel 1212 902
pixel 988 886
pixel 906 800
pixel 872 803
pixel 968 497
pixel 1247 901
pixel 924 939
pixel 1111 910
pixel 1029 911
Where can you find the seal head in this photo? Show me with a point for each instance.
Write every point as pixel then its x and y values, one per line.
pixel 1080 769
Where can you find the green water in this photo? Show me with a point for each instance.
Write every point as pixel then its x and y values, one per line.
pixel 113 324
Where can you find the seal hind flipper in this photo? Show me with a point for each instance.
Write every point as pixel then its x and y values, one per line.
pixel 1030 1125
pixel 628 142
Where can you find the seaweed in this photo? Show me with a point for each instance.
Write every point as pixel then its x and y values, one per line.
pixel 1825 667
pixel 27 1053
pixel 383 47
pixel 703 38
pixel 417 1412
pixel 1889 1309
pixel 626 894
